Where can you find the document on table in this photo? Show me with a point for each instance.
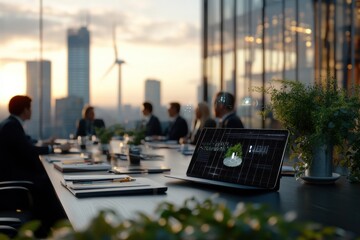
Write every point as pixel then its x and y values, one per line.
pixel 82 166
pixel 140 169
pixel 170 145
pixel 109 185
pixel 67 158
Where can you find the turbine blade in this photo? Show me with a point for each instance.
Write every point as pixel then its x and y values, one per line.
pixel 108 71
pixel 114 42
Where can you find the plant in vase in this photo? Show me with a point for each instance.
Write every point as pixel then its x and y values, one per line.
pixel 320 118
pixel 106 134
pixel 135 138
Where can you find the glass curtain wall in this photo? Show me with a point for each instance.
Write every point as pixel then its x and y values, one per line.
pixel 251 42
pixel 229 83
pixel 249 48
pixel 212 60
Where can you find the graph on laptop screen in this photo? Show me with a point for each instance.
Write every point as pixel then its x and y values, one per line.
pixel 243 156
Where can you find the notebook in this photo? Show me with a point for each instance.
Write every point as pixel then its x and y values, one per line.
pixel 82 186
pixel 238 158
pixel 141 168
pixel 78 166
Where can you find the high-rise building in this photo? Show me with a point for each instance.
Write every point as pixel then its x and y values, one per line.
pixel 67 114
pixel 78 41
pixel 153 94
pixel 39 126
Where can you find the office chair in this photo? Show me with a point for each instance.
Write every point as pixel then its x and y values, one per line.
pixel 16 204
pixel 8 231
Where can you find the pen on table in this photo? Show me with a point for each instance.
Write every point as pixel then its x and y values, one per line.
pixel 126 179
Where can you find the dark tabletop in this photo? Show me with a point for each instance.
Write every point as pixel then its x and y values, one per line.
pixel 334 204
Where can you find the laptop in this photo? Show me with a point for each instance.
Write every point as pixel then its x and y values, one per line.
pixel 238 158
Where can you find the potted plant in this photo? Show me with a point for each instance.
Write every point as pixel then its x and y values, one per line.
pixel 135 138
pixel 106 134
pixel 320 117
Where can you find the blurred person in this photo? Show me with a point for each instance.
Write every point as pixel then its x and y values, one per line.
pixel 151 122
pixel 224 107
pixel 19 160
pixel 202 119
pixel 178 127
pixel 88 123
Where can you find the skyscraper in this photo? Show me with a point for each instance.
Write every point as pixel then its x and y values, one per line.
pixel 40 94
pixel 152 94
pixel 78 41
pixel 67 114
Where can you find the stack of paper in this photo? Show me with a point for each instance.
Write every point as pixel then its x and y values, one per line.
pixel 65 158
pixel 105 185
pixel 81 166
pixel 167 144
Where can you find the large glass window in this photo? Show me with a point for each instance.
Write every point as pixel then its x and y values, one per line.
pixel 249 70
pixel 228 46
pixel 305 42
pixel 214 47
pixel 300 40
pixel 273 35
pixel 289 39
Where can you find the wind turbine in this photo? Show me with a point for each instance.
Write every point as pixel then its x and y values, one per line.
pixel 117 62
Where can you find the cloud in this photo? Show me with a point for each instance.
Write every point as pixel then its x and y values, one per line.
pixel 15 22
pixel 22 22
pixel 161 32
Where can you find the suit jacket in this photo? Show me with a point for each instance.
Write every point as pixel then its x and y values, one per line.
pixel 85 127
pixel 232 121
pixel 153 127
pixel 177 129
pixel 19 160
pixel 19 157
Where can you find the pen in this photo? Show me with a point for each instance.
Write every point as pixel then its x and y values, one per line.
pixel 125 179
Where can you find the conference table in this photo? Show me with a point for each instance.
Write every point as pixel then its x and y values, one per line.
pixel 336 204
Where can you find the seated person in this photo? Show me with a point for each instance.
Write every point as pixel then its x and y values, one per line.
pixel 178 127
pixel 202 119
pixel 88 124
pixel 224 107
pixel 19 160
pixel 151 122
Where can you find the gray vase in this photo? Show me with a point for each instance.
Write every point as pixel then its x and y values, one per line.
pixel 322 163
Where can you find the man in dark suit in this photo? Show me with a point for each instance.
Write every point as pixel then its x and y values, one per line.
pixel 19 160
pixel 178 127
pixel 88 124
pixel 151 122
pixel 224 106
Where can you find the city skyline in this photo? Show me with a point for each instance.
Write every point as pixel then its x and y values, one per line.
pixel 156 40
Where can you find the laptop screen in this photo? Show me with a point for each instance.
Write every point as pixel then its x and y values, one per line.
pixel 250 157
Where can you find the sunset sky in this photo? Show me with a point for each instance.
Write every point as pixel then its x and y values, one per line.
pixel 158 39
